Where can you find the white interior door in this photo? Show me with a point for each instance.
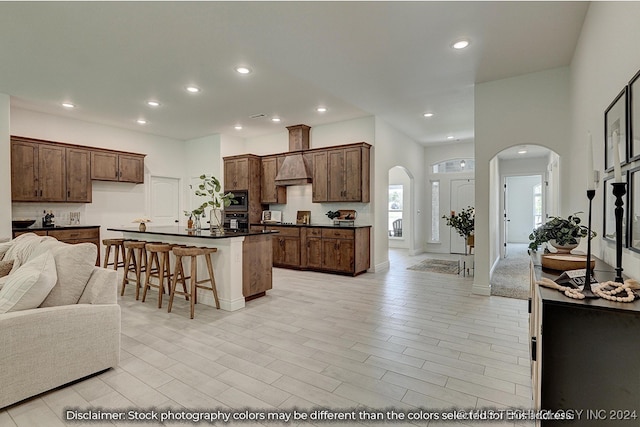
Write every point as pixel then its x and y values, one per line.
pixel 462 195
pixel 520 206
pixel 165 200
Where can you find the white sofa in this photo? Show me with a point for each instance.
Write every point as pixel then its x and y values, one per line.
pixel 73 333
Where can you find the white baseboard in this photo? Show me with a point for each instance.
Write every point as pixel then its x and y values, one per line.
pixel 383 266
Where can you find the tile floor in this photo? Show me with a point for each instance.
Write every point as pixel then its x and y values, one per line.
pixel 399 339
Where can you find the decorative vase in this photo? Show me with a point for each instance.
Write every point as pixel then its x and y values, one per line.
pixel 564 249
pixel 142 227
pixel 215 221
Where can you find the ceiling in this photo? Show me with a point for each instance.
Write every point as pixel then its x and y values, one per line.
pixel 388 59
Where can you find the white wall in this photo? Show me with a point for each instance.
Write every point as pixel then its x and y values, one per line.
pixel 5 168
pixel 532 109
pixel 604 62
pixel 114 204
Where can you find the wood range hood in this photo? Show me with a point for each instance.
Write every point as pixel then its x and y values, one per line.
pixel 295 169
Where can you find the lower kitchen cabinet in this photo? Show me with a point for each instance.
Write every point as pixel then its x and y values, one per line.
pixel 343 250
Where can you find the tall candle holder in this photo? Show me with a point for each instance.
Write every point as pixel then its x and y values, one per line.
pixel 619 190
pixel 586 291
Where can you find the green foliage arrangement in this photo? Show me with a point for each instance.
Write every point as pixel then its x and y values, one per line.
pixel 210 187
pixel 463 222
pixel 565 231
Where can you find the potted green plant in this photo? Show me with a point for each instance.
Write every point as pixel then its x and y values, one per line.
pixel 211 188
pixel 463 222
pixel 562 233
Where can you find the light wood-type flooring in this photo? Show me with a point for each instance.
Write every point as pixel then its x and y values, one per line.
pixel 401 339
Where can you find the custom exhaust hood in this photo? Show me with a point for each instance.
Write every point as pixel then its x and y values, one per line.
pixel 295 169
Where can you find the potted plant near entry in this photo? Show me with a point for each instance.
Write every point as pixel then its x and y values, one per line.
pixel 562 233
pixel 211 188
pixel 464 223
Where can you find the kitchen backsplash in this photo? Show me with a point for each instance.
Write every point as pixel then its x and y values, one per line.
pixel 61 211
pixel 299 199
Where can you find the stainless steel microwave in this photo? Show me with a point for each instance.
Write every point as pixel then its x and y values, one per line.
pixel 240 202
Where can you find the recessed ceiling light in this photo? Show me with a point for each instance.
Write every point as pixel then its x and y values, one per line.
pixel 321 109
pixel 275 119
pixel 460 44
pixel 522 151
pixel 193 89
pixel 450 137
pixel 243 70
pixel 237 127
pixel 68 105
pixel 428 114
pixel 141 121
pixel 152 103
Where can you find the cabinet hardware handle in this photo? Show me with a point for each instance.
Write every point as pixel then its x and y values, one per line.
pixel 36 193
pixel 116 174
pixel 68 193
pixel 534 348
pixel 40 193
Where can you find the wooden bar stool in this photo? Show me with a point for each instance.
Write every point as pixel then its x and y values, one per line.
pixel 118 249
pixel 136 262
pixel 193 253
pixel 159 267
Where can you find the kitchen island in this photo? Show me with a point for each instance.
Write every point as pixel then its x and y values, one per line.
pixel 242 264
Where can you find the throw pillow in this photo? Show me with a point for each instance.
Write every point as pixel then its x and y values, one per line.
pixel 29 285
pixel 74 265
pixel 4 247
pixel 5 267
pixel 21 249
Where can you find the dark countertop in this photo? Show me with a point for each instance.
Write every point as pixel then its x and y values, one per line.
pixel 57 227
pixel 176 230
pixel 258 224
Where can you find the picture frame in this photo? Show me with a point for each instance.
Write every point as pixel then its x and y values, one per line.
pixel 634 118
pixel 634 210
pixel 615 119
pixel 608 215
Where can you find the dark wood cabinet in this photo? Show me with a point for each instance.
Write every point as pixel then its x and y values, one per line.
pixel 286 246
pixel 38 171
pixel 342 174
pixel 584 355
pixel 116 166
pixel 313 248
pixel 270 192
pixel 236 173
pixel 78 175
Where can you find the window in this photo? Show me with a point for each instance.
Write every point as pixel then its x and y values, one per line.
pixel 395 209
pixel 537 206
pixel 435 211
pixel 454 165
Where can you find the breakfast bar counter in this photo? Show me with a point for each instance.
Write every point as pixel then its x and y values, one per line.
pixel 242 264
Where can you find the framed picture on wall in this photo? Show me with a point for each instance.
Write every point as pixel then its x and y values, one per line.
pixel 615 129
pixel 634 209
pixel 634 118
pixel 609 215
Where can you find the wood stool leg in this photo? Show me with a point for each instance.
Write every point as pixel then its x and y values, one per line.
pixel 163 266
pixel 106 256
pixel 194 288
pixel 127 263
pixel 147 281
pixel 177 267
pixel 139 271
pixel 213 279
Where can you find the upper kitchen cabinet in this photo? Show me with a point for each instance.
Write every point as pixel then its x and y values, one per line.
pixel 39 172
pixel 345 177
pixel 244 173
pixel 117 166
pixel 78 175
pixel 270 192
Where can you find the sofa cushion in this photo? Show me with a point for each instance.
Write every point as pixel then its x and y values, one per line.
pixel 74 265
pixel 29 285
pixel 21 249
pixel 4 247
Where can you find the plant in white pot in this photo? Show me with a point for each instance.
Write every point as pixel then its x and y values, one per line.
pixel 211 188
pixel 564 234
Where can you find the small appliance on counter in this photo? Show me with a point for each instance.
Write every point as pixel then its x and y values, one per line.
pixel 345 218
pixel 303 218
pixel 271 217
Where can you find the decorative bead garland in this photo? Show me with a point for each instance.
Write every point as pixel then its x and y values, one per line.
pixel 600 289
pixel 610 294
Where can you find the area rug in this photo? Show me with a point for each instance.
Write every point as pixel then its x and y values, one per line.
pixel 436 266
pixel 511 276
